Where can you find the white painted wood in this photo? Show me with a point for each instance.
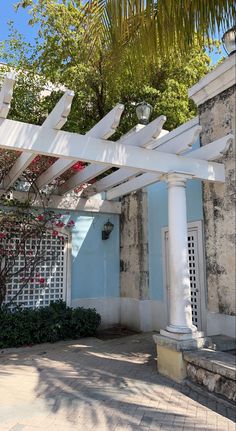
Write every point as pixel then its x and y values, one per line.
pixel 103 129
pixel 68 268
pixel 72 203
pixel 40 140
pixel 82 177
pixel 194 228
pixel 176 133
pixel 19 166
pixel 56 119
pixel 177 141
pixel 181 143
pixel 6 94
pixel 180 316
pixel 198 273
pixel 58 116
pixel 138 136
pixel 212 151
pixel 107 126
pixel 132 185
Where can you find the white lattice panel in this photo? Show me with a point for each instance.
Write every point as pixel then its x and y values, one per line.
pixel 193 257
pixel 36 293
pixel 194 276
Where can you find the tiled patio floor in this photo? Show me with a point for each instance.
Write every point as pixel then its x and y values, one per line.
pixel 97 385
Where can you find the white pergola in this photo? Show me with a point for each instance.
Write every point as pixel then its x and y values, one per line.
pixel 145 155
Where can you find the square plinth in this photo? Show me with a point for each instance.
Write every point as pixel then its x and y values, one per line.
pixel 170 360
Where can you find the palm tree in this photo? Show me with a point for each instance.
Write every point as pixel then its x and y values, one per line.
pixel 160 25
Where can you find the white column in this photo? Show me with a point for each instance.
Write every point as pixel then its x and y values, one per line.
pixel 180 298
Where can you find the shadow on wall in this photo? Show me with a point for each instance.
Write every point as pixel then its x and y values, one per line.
pixel 95 262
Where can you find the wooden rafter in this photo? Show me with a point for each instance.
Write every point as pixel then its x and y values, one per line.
pixel 139 137
pixel 212 151
pixel 55 120
pixel 103 129
pixel 49 142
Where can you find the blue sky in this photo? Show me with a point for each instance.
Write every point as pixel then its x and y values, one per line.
pixel 20 19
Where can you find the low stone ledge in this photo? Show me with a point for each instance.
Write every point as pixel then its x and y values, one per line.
pixel 220 363
pixel 213 382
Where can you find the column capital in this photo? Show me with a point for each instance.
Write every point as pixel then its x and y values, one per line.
pixel 177 179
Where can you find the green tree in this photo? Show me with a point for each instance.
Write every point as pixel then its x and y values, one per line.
pixel 64 53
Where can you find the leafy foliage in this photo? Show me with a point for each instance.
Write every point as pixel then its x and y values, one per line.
pixel 49 324
pixel 150 26
pixel 101 77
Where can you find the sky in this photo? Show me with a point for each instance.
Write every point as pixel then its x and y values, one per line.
pixel 21 17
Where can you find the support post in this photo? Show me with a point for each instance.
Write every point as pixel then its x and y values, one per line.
pixel 180 334
pixel 180 297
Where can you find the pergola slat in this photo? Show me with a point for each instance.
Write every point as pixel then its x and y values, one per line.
pixel 212 151
pixel 6 94
pixel 56 119
pixel 41 140
pixel 71 203
pixel 138 136
pixel 103 129
pixel 170 143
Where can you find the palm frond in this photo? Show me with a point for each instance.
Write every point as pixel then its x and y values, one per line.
pixel 159 25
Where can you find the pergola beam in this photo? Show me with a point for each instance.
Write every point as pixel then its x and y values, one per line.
pixel 212 151
pixel 103 129
pixel 169 143
pixel 40 140
pixel 70 203
pixel 139 137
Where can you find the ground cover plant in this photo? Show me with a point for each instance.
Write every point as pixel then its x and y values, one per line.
pixel 21 327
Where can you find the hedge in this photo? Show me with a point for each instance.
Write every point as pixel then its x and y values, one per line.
pixel 21 327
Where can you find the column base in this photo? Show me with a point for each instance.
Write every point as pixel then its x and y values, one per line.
pixel 181 336
pixel 170 360
pixel 181 329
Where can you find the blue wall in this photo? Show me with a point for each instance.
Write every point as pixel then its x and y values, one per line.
pixel 158 219
pixel 95 263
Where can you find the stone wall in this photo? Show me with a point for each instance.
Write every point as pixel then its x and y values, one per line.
pixel 134 273
pixel 217 118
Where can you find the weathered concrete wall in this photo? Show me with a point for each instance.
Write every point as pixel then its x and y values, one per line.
pixel 217 118
pixel 134 275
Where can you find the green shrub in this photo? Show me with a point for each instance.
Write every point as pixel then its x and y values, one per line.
pixel 56 322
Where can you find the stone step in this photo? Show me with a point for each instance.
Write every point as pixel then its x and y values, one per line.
pixel 221 342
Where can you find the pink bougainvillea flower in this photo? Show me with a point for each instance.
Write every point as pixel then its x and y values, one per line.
pixel 60 224
pixel 41 280
pixel 54 233
pixel 77 166
pixel 40 218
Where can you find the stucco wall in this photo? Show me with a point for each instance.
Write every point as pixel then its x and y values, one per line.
pixel 217 118
pixel 134 275
pixel 95 263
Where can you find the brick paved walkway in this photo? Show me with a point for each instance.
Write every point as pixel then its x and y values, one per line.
pixel 99 385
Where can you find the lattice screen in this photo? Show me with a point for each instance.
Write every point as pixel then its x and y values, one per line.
pixel 193 272
pixel 194 276
pixel 54 273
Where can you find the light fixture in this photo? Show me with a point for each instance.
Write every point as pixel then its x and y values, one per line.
pixel 229 40
pixel 143 112
pixel 107 229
